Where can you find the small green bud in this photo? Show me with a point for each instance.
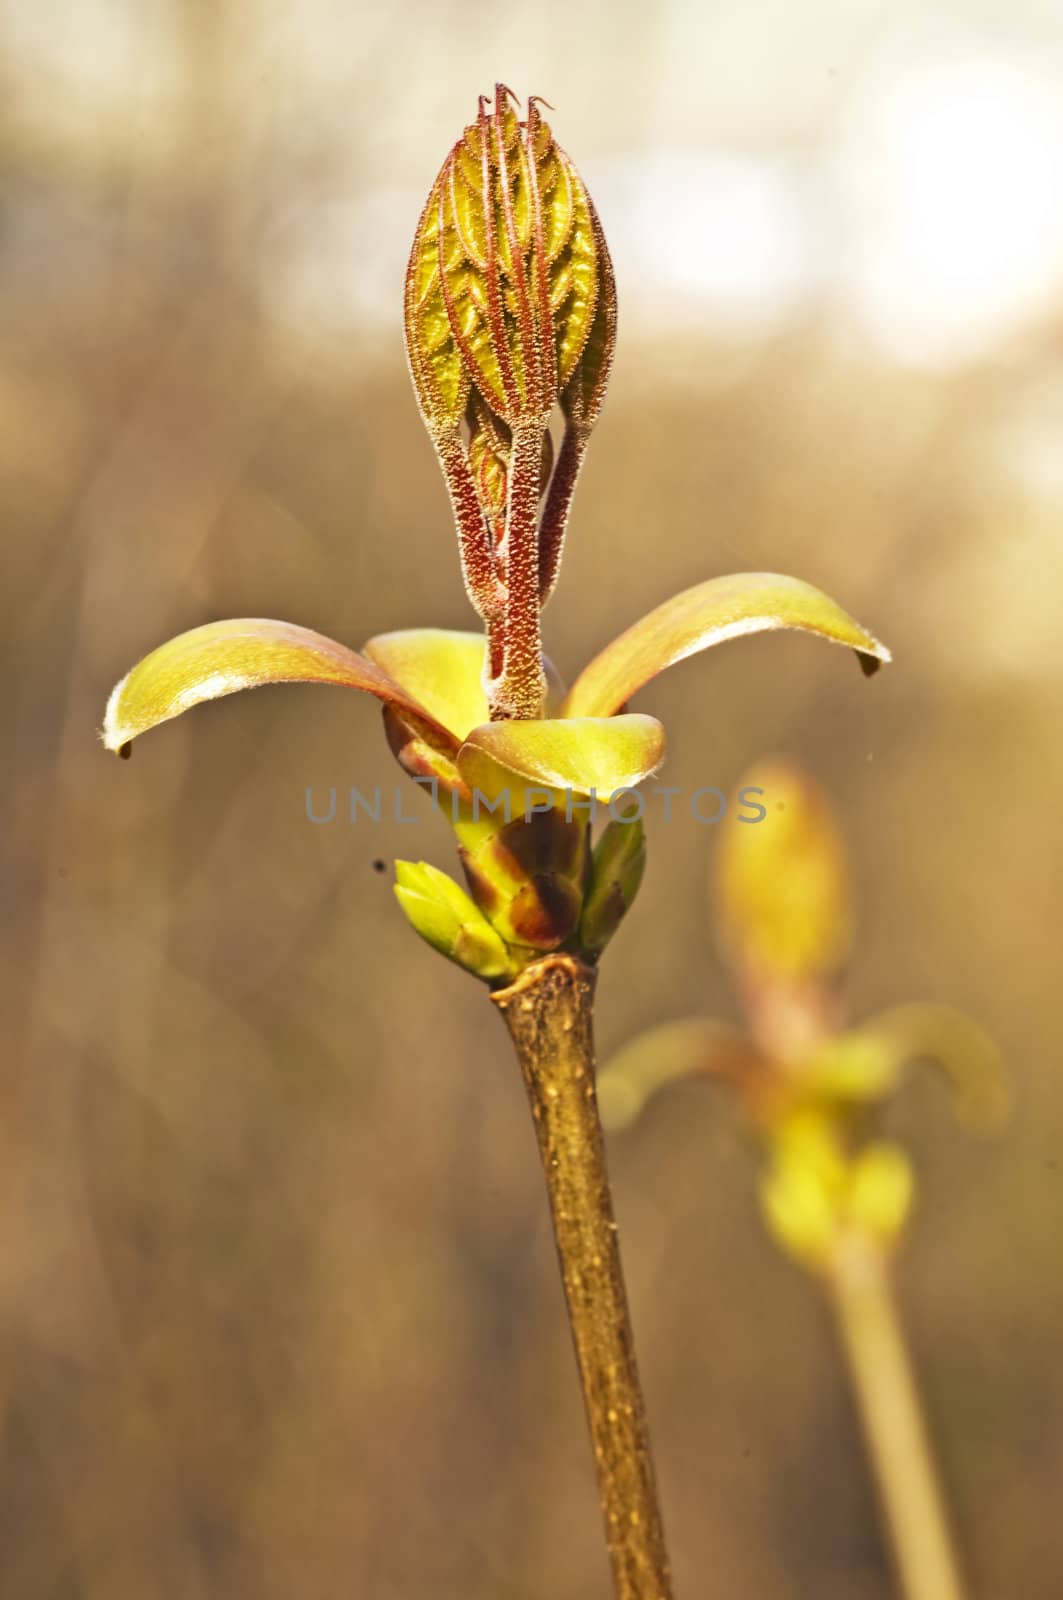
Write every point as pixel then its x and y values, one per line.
pixel 799 1213
pixel 444 915
pixel 880 1193
pixel 815 1196
pixel 617 865
pixel 804 1191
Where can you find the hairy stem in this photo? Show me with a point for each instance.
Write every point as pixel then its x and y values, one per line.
pixel 558 503
pixel 548 1013
pixel 475 544
pixel 521 689
pixel 888 1401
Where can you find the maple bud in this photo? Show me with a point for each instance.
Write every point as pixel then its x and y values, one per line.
pixel 510 309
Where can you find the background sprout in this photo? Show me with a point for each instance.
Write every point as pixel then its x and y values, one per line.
pixel 835 1194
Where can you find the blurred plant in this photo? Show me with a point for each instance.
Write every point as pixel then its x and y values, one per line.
pixel 835 1196
pixel 511 310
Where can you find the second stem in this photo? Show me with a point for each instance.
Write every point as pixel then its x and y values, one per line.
pixel 885 1389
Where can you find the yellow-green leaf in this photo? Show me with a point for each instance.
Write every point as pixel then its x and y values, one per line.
pixel 575 276
pixel 243 653
pixel 584 381
pixel 599 754
pixel 706 615
pixel 954 1043
pixel 436 362
pixel 442 669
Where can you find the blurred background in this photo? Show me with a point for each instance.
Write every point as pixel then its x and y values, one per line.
pixel 279 1315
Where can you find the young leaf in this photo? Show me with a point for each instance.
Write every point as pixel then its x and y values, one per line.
pixel 581 755
pixel 443 670
pixel 957 1046
pixel 244 653
pixel 706 615
pixel 694 1047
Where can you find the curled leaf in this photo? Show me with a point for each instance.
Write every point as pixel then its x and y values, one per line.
pixel 954 1043
pixel 707 615
pixel 579 756
pixel 244 653
pixel 442 669
pixel 694 1047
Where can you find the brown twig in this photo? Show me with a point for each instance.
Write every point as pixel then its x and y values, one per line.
pixel 548 1013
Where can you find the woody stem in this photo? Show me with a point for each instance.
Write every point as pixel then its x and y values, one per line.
pixel 548 1012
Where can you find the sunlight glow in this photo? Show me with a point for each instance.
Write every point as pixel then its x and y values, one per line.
pixel 956 185
pixel 717 239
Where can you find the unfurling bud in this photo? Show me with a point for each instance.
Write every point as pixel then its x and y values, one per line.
pixel 617 865
pixel 443 914
pixel 508 273
pixel 783 911
pixel 510 309
pixel 783 884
